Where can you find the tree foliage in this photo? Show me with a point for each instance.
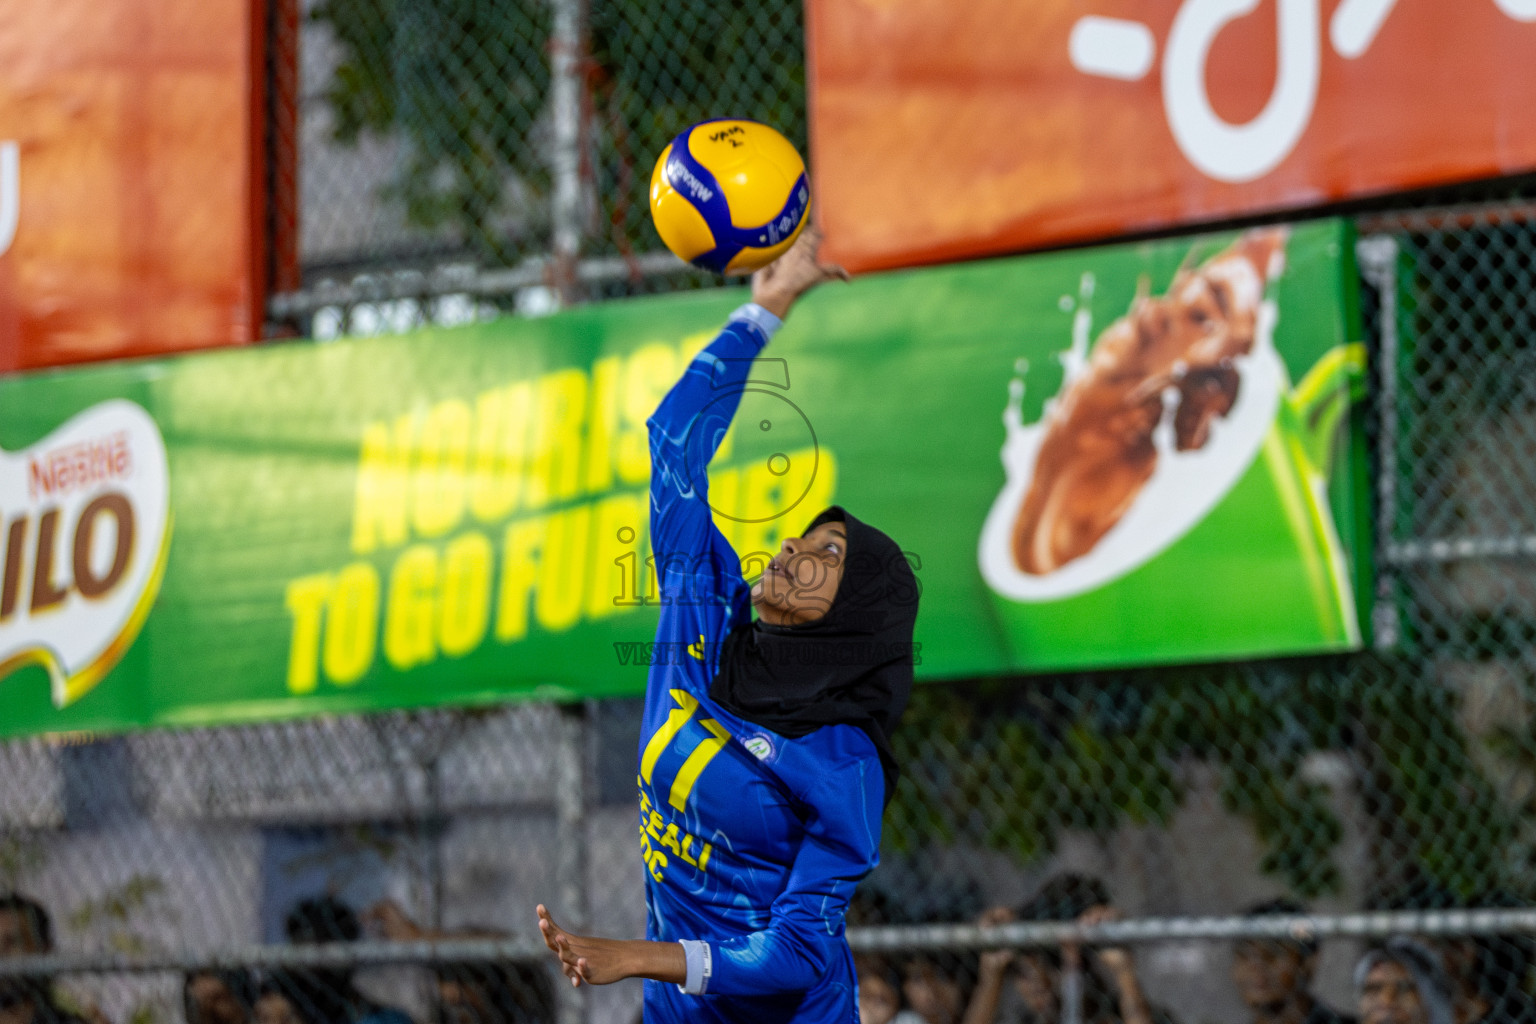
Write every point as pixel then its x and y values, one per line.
pixel 1012 765
pixel 463 85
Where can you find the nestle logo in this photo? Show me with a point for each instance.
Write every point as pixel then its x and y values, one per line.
pixel 92 533
pixel 62 470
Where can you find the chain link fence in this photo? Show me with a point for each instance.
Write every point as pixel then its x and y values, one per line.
pixel 1334 794
pixel 1258 826
pixel 462 158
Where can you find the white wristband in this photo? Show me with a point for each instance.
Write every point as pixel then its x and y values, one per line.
pixel 758 317
pixel 700 966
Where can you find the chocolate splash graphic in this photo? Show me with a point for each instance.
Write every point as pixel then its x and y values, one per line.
pixel 1098 452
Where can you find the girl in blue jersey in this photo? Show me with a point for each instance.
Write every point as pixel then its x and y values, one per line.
pixel 765 756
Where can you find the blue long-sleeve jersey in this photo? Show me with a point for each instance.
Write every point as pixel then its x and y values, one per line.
pixel 753 842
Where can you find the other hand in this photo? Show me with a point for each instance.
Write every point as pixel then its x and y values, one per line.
pixel 583 958
pixel 1115 959
pixel 780 283
pixel 995 961
pixel 393 922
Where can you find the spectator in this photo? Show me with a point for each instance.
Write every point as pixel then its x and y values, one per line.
pixel 218 997
pixel 880 992
pixel 280 1001
pixel 1485 975
pixel 1274 976
pixel 931 988
pixel 1488 973
pixel 27 930
pixel 938 991
pixel 1403 983
pixel 993 968
pixel 1060 985
pixel 328 995
pixel 501 993
pixel 1504 968
pixel 487 993
pixel 25 927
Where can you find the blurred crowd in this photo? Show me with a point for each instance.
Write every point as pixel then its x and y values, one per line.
pixel 1403 980
pixel 467 993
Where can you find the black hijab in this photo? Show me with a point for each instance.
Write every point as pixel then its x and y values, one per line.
pixel 852 666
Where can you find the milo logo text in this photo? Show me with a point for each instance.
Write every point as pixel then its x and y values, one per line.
pixel 85 515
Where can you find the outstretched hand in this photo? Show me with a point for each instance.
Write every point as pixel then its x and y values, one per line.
pixel 996 961
pixel 594 961
pixel 1116 959
pixel 393 923
pixel 582 959
pixel 780 283
pixel 1119 964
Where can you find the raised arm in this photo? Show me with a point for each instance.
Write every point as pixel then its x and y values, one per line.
pixel 988 993
pixel 691 421
pixel 686 431
pixel 1121 968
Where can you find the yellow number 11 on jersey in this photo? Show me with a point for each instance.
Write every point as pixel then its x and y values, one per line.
pixel 702 754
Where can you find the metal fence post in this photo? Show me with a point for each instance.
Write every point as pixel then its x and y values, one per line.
pixel 571 831
pixel 1377 256
pixel 567 54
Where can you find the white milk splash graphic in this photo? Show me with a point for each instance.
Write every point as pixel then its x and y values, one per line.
pixel 84 531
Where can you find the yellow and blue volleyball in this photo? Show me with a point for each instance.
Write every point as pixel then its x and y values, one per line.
pixel 729 196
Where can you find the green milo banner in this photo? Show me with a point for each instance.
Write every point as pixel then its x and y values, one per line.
pixel 1129 455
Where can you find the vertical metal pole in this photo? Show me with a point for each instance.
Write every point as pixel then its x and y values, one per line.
pixel 567 54
pixel 571 833
pixel 436 831
pixel 1378 255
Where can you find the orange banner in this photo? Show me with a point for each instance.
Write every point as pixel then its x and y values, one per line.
pixel 132 211
pixel 943 130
